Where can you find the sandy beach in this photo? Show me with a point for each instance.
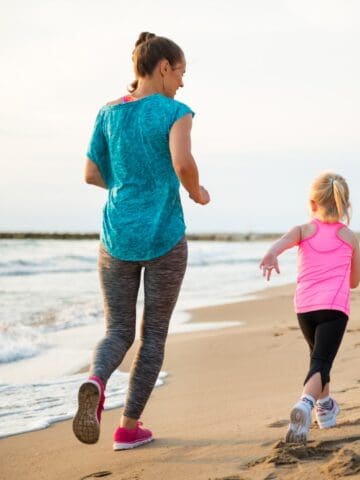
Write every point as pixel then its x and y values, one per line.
pixel 223 411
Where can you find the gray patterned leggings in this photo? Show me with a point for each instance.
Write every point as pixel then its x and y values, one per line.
pixel 120 282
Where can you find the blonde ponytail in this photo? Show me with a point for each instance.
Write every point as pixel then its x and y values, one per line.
pixel 341 200
pixel 331 192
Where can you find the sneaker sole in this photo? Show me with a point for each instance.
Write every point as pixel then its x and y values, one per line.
pixel 85 424
pixel 298 429
pixel 127 446
pixel 329 423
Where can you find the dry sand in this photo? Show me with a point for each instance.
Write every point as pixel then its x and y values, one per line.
pixel 222 412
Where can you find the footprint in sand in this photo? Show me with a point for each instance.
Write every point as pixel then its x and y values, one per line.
pixel 348 409
pixel 104 473
pixel 278 424
pixel 232 477
pixel 349 423
pixel 344 390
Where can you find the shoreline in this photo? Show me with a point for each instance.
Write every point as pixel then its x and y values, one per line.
pixel 211 237
pixel 28 366
pixel 76 339
pixel 208 237
pixel 222 411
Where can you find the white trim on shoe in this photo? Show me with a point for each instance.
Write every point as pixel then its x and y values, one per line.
pixel 128 445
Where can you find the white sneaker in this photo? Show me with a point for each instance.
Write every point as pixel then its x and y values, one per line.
pixel 327 418
pixel 300 420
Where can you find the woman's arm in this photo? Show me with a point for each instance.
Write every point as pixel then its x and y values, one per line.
pixel 270 261
pixel 93 175
pixel 183 161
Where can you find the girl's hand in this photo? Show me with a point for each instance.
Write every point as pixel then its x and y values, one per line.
pixel 268 263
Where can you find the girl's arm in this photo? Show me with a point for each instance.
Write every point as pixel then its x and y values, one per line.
pixel 270 261
pixel 183 161
pixel 93 175
pixel 349 237
pixel 355 264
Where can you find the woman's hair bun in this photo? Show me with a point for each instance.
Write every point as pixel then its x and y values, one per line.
pixel 149 50
pixel 144 37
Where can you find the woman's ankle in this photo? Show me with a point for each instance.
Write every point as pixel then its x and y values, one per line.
pixel 127 422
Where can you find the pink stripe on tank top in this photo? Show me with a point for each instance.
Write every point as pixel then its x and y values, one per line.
pixel 324 264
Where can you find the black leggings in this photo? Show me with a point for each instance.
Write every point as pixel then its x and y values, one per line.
pixel 323 330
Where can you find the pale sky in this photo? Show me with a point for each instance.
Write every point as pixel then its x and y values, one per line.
pixel 274 84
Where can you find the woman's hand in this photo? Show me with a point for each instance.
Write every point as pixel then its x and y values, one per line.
pixel 203 197
pixel 268 263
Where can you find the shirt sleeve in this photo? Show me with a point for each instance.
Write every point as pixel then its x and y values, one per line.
pixel 180 111
pixel 98 150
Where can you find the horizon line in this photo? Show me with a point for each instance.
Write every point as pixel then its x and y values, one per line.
pixel 209 236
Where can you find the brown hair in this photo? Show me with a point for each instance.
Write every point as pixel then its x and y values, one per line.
pixel 149 50
pixel 331 192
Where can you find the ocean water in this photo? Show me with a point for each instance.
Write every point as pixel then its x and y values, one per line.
pixel 51 317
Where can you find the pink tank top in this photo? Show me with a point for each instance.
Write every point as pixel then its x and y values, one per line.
pixel 324 264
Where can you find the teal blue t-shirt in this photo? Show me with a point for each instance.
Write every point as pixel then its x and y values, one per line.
pixel 143 217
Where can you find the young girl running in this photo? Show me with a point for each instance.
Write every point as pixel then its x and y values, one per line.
pixel 328 266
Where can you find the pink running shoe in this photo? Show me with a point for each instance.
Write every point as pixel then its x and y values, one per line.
pixel 91 398
pixel 125 438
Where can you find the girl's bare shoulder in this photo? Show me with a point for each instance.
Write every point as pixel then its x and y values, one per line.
pixel 347 235
pixel 307 230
